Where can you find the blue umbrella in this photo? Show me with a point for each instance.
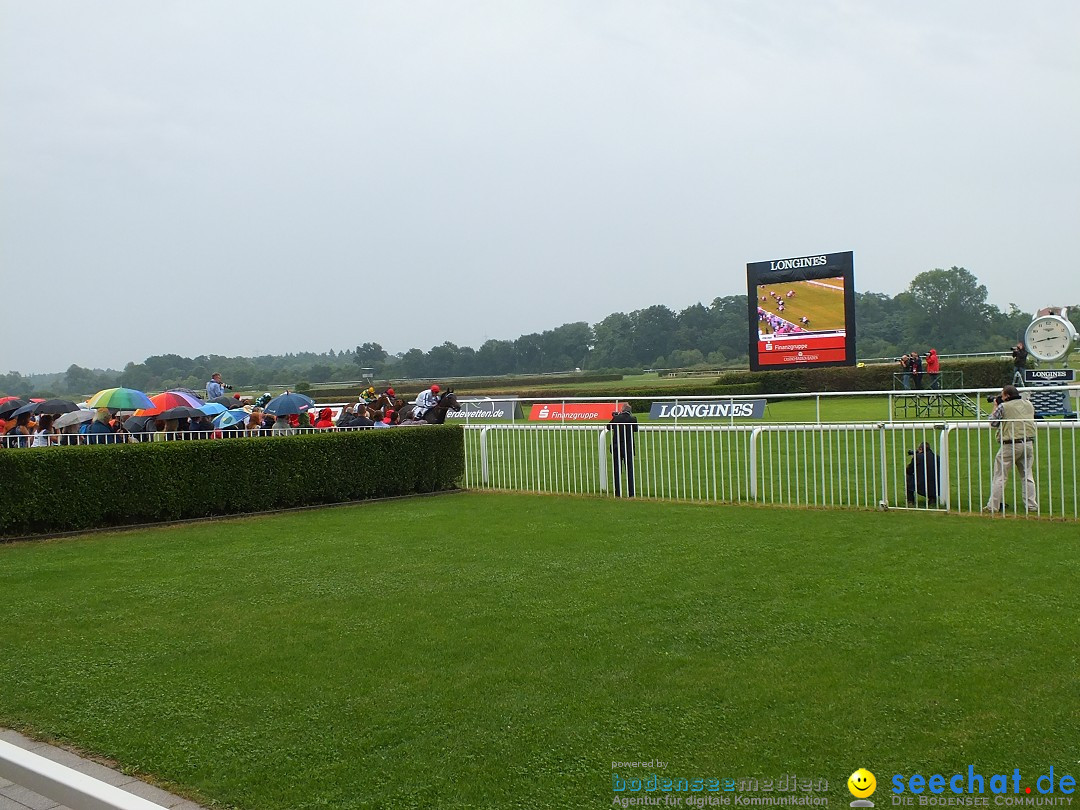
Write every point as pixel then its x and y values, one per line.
pixel 288 404
pixel 213 408
pixel 230 418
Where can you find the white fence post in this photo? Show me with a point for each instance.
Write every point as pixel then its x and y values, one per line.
pixel 944 482
pixel 752 450
pixel 484 456
pixel 884 502
pixel 602 456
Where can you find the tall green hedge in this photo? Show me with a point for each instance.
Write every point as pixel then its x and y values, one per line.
pixel 986 372
pixel 978 373
pixel 71 488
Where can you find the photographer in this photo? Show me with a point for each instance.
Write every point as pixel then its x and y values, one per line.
pixel 1020 356
pixel 216 388
pixel 906 367
pixel 922 475
pixel 1015 420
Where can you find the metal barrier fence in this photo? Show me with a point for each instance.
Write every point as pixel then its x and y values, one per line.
pixel 71 439
pixel 825 465
pixel 64 785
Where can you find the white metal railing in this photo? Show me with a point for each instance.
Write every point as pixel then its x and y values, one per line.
pixel 63 784
pixel 826 465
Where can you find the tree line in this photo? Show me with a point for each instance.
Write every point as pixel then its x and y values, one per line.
pixel 946 309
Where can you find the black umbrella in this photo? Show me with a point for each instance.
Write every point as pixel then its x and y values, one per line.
pixel 55 406
pixel 139 424
pixel 181 412
pixel 228 402
pixel 12 405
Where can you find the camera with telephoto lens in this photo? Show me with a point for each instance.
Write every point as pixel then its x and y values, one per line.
pixel 226 386
pixel 996 400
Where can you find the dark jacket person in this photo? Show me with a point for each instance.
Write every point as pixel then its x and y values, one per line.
pixel 922 475
pixel 623 426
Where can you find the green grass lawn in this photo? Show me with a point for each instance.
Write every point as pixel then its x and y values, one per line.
pixel 503 650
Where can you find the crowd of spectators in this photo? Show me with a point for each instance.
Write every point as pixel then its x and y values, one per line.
pixel 108 426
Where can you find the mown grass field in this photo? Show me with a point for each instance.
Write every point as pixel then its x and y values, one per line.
pixel 498 651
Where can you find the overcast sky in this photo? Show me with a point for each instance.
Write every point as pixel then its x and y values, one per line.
pixel 261 177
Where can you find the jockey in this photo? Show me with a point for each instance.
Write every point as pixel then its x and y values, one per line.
pixel 426 400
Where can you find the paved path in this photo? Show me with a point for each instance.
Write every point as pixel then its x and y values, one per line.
pixel 16 797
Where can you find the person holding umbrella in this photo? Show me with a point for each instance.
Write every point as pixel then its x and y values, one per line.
pixel 100 430
pixel 19 434
pixel 45 435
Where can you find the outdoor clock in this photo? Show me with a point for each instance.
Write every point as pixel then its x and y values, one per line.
pixel 1050 337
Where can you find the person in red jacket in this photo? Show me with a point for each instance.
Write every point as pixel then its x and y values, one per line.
pixel 326 419
pixel 933 368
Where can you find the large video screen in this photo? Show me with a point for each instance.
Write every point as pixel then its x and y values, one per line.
pixel 801 311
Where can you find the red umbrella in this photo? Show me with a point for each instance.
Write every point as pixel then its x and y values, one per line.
pixel 168 400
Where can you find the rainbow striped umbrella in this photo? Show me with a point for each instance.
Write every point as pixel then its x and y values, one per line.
pixel 120 399
pixel 168 400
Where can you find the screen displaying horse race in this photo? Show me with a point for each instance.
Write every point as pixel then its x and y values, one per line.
pixel 801 311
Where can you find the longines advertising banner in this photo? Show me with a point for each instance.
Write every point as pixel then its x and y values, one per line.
pixel 746 409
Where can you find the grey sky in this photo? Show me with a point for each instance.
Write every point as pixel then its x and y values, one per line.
pixel 260 177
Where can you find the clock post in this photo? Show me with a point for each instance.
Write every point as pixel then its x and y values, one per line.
pixel 1050 338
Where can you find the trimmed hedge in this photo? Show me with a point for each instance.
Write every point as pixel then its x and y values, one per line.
pixel 60 489
pixel 978 373
pixel 409 390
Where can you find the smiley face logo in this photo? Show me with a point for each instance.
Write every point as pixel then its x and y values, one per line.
pixel 861 783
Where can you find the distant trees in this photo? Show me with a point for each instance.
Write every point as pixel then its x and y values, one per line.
pixel 942 308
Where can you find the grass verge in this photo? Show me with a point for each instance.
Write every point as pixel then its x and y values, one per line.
pixel 502 651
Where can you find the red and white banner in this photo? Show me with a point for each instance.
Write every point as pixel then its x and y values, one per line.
pixel 573 412
pixel 794 349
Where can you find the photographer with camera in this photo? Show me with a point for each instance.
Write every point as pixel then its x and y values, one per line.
pixel 1020 356
pixel 922 475
pixel 1015 420
pixel 216 388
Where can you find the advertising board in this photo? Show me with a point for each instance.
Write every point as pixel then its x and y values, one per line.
pixel 801 311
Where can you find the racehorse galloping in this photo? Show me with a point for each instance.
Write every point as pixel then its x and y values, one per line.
pixel 436 414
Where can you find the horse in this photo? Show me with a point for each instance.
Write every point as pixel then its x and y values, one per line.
pixel 436 414
pixel 382 403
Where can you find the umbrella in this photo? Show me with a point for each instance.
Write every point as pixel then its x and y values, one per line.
pixel 230 418
pixel 73 418
pixel 228 402
pixel 139 424
pixel 287 404
pixel 12 405
pixel 169 399
pixel 187 391
pixel 54 406
pixel 180 412
pixel 213 408
pixel 123 399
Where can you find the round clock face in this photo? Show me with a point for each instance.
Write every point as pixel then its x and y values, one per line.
pixel 1049 337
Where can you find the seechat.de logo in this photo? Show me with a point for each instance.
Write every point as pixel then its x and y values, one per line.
pixel 862 785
